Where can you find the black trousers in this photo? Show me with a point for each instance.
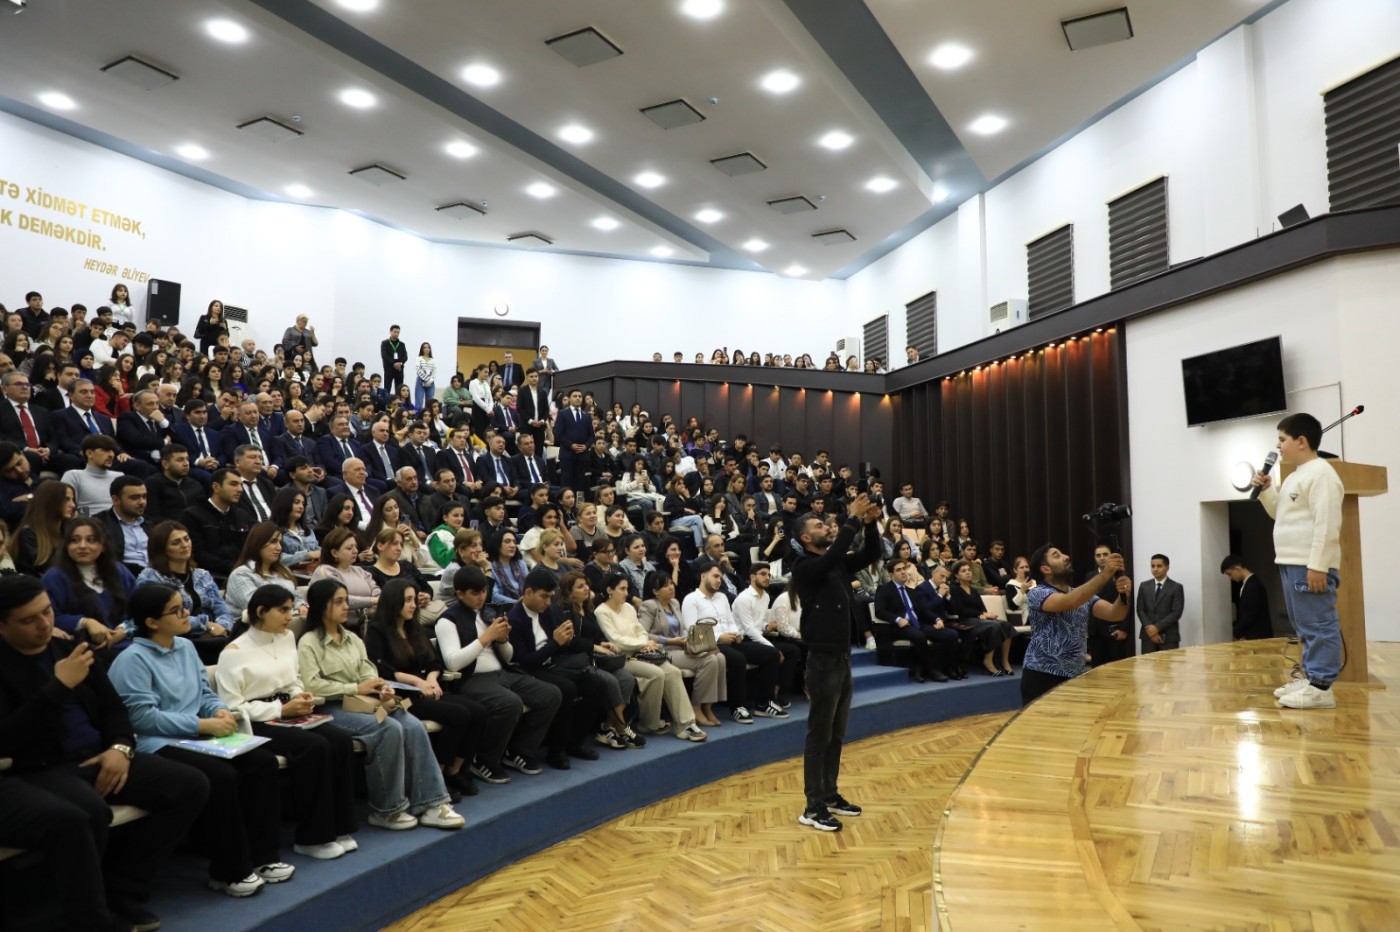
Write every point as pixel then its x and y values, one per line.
pixel 240 827
pixel 790 667
pixel 323 784
pixel 393 378
pixel 58 814
pixel 829 690
pixel 571 470
pixel 464 724
pixel 737 657
pixel 944 647
pixel 1035 684
pixel 575 722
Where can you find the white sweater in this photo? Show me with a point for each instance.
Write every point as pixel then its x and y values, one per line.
pixel 257 665
pixel 1307 513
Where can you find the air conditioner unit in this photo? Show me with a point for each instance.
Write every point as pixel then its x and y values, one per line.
pixel 1007 314
pixel 848 346
pixel 237 320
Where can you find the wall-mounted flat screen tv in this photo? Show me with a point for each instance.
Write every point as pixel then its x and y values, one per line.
pixel 1239 382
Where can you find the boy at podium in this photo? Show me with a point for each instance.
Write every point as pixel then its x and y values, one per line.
pixel 1307 513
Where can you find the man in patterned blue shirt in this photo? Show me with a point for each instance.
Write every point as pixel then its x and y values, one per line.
pixel 1059 617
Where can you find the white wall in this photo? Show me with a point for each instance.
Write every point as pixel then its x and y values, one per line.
pixel 1339 349
pixel 1238 132
pixel 352 276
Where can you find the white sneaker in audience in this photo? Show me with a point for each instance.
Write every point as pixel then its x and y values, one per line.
pixel 398 822
pixel 276 872
pixel 347 843
pixel 742 716
pixel 326 852
pixel 611 739
pixel 1309 697
pixel 692 732
pixel 869 645
pixel 443 816
pixel 1291 687
pixel 238 888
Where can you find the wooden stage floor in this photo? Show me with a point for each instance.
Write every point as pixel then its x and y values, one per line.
pixel 1171 792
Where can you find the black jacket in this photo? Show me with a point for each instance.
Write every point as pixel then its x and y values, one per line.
pixel 217 538
pixel 1252 619
pixel 31 709
pixel 823 584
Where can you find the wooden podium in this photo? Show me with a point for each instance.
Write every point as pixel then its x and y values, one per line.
pixel 1358 480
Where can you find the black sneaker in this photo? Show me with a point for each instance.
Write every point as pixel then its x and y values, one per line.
pixel 522 764
pixel 488 774
pixel 141 919
pixel 771 710
pixel 820 819
pixel 742 716
pixel 841 806
pixel 583 752
pixel 782 702
pixel 462 782
pixel 559 760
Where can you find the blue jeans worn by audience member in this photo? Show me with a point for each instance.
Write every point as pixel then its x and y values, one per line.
pixel 422 391
pixel 829 689
pixel 400 770
pixel 1314 616
pixel 693 523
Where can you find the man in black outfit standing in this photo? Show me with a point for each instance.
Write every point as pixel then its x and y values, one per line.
pixel 1252 621
pixel 822 576
pixel 1108 640
pixel 394 357
pixel 72 745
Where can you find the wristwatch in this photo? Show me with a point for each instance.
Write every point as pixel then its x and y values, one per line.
pixel 124 749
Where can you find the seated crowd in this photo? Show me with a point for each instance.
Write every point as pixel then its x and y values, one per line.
pixel 203 539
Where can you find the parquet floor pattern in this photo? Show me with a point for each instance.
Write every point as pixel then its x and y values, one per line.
pixel 730 855
pixel 1171 792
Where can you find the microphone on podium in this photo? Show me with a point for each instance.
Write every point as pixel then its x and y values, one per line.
pixel 1269 462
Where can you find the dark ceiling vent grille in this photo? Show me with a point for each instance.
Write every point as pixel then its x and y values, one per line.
pixel 743 163
pixel 673 114
pixel 1363 133
pixel 584 47
pixel 1137 234
pixel 876 338
pixel 1050 271
pixel 792 205
pixel 921 324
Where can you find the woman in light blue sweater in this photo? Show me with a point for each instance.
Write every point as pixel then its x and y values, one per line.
pixel 167 694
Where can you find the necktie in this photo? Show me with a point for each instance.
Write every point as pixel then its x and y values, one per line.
pixel 510 418
pixel 364 504
pixel 1159 591
pixel 258 509
pixel 384 458
pixel 908 606
pixel 345 448
pixel 152 425
pixel 466 467
pixel 253 437
pixel 203 447
pixel 534 469
pixel 92 425
pixel 31 436
pixel 500 472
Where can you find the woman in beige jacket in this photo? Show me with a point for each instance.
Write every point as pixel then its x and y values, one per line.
pixel 660 615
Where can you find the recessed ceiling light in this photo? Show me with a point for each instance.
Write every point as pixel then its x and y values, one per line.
pixel 988 124
pixel 576 134
pixel 481 75
pixel 360 6
pixel 650 180
pixel 836 140
pixel 226 30
pixel 459 149
pixel 541 190
pixel 880 184
pixel 56 101
pixel 702 9
pixel 298 190
pixel 795 270
pixel 191 151
pixel 940 194
pixel 606 223
pixel 709 215
pixel 755 245
pixel 357 98
pixel 780 81
pixel 950 56
pixel 662 252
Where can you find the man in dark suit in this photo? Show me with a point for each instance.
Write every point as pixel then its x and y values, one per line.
pixel 31 426
pixel 1161 602
pixel 141 431
pixel 532 407
pixel 170 491
pixel 416 453
pixel 381 455
pixel 73 423
pixel 506 422
pixel 301 475
pixel 57 399
pixel 268 416
pixel 512 373
pixel 216 528
pixel 126 525
pixel 203 443
pixel 394 357
pixel 496 471
pixel 293 442
pixel 895 605
pixel 573 432
pixel 444 492
pixel 457 456
pixel 1252 619
pixel 337 447
pixel 246 430
pixel 255 504
pixel 529 463
pixel 1108 640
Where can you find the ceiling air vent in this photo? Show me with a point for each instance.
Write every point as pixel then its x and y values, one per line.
pixel 270 129
pixel 792 205
pixel 377 175
pixel 834 237
pixel 461 210
pixel 673 114
pixel 140 73
pixel 584 47
pixel 529 239
pixel 744 163
pixel 1085 32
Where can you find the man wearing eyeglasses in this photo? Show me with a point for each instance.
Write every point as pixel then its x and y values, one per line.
pixel 24 421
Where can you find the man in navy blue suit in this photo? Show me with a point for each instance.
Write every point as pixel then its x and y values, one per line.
pixel 512 373
pixel 495 469
pixel 381 454
pixel 530 464
pixel 268 416
pixel 573 432
pixel 247 430
pixel 293 442
pixel 79 419
pixel 142 431
pixel 337 446
pixel 203 443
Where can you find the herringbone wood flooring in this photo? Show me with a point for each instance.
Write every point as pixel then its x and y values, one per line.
pixel 730 855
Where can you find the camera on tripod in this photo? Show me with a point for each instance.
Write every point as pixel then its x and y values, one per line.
pixel 1108 513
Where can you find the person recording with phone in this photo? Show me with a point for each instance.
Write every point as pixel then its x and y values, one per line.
pixel 1060 615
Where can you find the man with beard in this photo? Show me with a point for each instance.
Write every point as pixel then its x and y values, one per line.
pixel 1059 617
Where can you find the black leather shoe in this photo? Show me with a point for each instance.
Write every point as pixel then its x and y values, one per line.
pixel 917 676
pixel 559 760
pixel 583 752
pixel 937 677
